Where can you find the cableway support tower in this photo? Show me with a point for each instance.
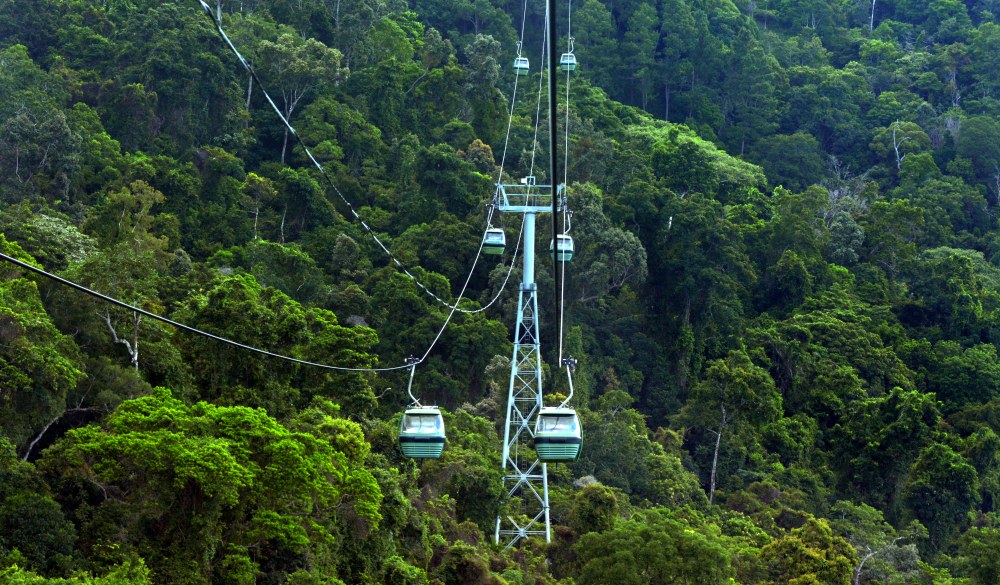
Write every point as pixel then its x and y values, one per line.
pixel 525 476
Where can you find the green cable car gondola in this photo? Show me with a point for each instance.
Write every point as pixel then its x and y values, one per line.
pixel 421 432
pixel 494 241
pixel 557 434
pixel 567 62
pixel 561 250
pixel 521 66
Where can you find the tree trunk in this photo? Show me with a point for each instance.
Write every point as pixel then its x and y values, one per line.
pixel 896 143
pixel 136 319
pixel 715 456
pixel 283 214
pixel 284 146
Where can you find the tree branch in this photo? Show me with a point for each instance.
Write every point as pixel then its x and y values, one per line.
pixel 41 434
pixel 133 353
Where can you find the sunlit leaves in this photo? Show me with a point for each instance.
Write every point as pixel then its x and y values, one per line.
pixel 214 479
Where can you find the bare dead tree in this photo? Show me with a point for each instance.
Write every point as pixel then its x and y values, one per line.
pixel 132 347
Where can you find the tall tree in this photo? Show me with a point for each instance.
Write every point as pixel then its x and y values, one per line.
pixel 898 140
pixel 735 393
pixel 297 68
pixel 129 265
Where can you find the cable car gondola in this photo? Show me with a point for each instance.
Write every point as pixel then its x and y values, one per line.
pixel 561 250
pixel 567 62
pixel 421 432
pixel 557 434
pixel 494 241
pixel 521 66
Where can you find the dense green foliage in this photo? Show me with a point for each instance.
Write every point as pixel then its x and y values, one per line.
pixel 784 300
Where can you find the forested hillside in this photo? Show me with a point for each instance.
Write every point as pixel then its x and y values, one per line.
pixel 785 299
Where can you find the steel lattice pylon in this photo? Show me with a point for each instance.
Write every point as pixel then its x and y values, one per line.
pixel 525 477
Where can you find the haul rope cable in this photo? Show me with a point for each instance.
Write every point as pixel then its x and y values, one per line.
pixel 570 363
pixel 531 170
pixel 550 10
pixel 218 338
pixel 566 214
pixel 217 21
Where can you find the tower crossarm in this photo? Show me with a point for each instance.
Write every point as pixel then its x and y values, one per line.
pixel 528 197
